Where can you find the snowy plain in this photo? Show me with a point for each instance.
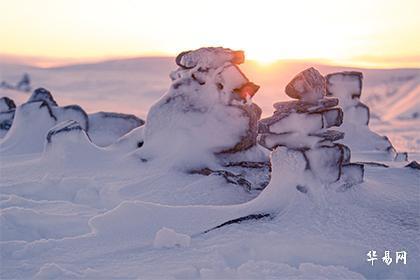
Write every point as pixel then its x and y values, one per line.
pixel 103 214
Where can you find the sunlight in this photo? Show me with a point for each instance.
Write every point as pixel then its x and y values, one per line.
pixel 278 29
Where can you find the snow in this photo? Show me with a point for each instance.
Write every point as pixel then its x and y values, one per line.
pixel 115 205
pixel 168 238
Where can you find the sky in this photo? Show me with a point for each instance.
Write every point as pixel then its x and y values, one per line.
pixel 368 33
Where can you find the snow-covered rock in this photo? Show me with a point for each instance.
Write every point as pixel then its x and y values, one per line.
pixel 25 83
pixel 29 128
pixel 308 85
pixel 7 113
pixel 42 94
pixel 347 87
pixel 6 104
pixel 303 126
pixel 209 95
pixel 106 127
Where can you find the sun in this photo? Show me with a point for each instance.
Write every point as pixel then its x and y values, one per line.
pixel 263 58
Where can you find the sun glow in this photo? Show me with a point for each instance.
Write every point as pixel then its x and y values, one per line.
pixel 378 32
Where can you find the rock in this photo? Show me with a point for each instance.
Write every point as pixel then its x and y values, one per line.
pixel 41 94
pixel 253 113
pixel 347 86
pixel 309 85
pixel 325 162
pixel 63 127
pixel 300 106
pixel 413 164
pixel 292 140
pixel 27 133
pixel 209 93
pixel 282 122
pixel 209 58
pixel 6 121
pixel 328 135
pixel 24 84
pixel 346 153
pixel 401 156
pixel 72 112
pixel 6 104
pixel 236 179
pixel 359 114
pixel 351 174
pixel 332 117
pixel 106 127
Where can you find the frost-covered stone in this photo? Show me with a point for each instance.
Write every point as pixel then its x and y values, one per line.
pixel 209 58
pixel 24 84
pixel 41 94
pixel 300 106
pixel 282 122
pixel 62 128
pixel 309 85
pixel 332 117
pixel 6 121
pixel 72 112
pixel 351 174
pixel 347 87
pixel 106 127
pixel 303 125
pixel 7 113
pixel 30 125
pixel 209 95
pixel 325 162
pixel 6 104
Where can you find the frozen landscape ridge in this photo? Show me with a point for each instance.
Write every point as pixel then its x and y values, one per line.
pixel 203 187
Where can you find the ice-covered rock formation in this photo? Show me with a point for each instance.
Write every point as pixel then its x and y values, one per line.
pixel 24 131
pixel 303 126
pixel 106 127
pixel 7 113
pixel 67 144
pixel 206 113
pixel 24 84
pixel 347 87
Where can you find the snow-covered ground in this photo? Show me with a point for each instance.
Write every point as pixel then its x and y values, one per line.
pixel 73 210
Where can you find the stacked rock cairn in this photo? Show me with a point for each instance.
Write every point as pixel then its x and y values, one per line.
pixel 304 125
pixel 347 87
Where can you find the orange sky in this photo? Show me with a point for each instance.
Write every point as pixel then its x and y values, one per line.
pixel 368 33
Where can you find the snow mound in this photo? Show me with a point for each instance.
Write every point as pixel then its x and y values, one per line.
pixel 29 225
pixel 288 172
pixel 54 271
pixel 168 238
pixel 209 95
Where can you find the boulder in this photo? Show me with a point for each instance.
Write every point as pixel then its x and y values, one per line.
pixel 41 94
pixel 309 85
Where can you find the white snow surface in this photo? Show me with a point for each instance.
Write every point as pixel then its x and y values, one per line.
pixel 73 210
